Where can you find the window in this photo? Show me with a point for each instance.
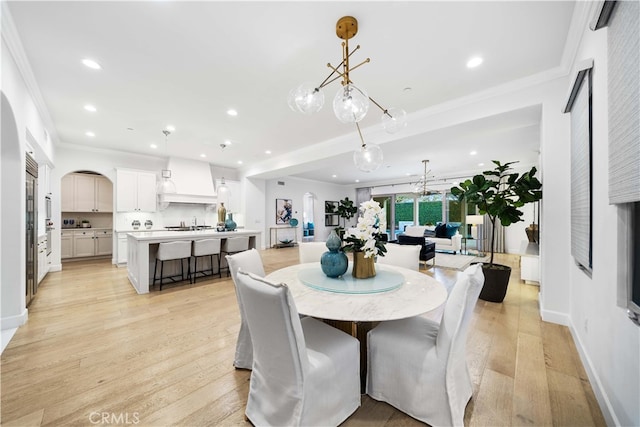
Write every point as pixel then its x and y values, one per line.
pixel 579 105
pixel 430 209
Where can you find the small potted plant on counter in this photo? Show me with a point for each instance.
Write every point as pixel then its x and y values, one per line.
pixel 498 193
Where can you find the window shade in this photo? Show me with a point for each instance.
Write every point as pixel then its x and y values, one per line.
pixel 579 104
pixel 624 102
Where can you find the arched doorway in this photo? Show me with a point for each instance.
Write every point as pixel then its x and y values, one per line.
pixel 86 216
pixel 12 229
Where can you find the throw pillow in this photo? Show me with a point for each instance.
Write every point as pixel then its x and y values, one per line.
pixel 441 231
pixel 452 229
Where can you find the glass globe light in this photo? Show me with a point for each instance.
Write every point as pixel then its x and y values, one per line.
pixel 396 122
pixel 307 98
pixel 350 104
pixel 368 158
pixel 291 100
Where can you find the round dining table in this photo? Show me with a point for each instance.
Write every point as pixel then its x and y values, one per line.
pixel 401 293
pixel 355 306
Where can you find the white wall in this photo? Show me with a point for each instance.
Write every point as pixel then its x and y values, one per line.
pixel 607 340
pixel 294 189
pixel 20 117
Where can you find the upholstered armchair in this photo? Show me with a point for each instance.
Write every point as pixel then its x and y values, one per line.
pixel 427 248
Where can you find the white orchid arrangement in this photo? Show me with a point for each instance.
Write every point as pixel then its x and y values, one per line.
pixel 366 236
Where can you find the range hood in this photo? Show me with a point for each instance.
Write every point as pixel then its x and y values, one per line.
pixel 193 181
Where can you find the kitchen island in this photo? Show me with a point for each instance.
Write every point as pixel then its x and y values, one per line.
pixel 142 247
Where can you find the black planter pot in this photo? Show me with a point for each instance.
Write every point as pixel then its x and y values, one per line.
pixel 496 280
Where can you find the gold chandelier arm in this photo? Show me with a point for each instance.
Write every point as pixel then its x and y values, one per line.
pixel 384 110
pixel 360 133
pixel 335 70
pixel 330 81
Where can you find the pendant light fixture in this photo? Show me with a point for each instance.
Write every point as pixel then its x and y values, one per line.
pixel 420 187
pixel 351 102
pixel 166 186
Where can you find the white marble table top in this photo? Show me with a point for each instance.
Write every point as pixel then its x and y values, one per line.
pixel 418 294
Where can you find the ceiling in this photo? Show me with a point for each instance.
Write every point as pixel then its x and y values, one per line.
pixel 186 63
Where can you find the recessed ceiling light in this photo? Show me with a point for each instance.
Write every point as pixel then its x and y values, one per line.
pixel 153 146
pixel 473 153
pixel 408 174
pixel 203 155
pixel 407 89
pixel 334 176
pixel 90 107
pixel 357 180
pixel 480 164
pixel 239 162
pixel 267 152
pixel 474 62
pixel 227 142
pixel 90 134
pixel 91 64
pixel 232 112
pixel 171 128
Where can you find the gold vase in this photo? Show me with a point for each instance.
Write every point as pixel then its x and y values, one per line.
pixel 363 268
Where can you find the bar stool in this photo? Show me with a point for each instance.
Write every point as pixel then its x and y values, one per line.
pixel 205 247
pixel 179 250
pixel 233 245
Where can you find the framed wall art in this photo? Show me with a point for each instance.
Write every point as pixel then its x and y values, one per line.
pixel 284 211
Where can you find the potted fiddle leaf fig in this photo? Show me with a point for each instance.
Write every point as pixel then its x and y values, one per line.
pixel 499 193
pixel 346 210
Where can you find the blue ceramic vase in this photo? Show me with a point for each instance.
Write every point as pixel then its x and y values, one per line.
pixel 230 224
pixel 335 262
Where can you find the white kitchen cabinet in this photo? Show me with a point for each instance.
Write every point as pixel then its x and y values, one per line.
pixel 67 193
pixel 66 244
pixel 83 244
pixel 86 193
pixel 104 242
pixel 88 243
pixel 43 267
pixel 122 248
pixel 135 191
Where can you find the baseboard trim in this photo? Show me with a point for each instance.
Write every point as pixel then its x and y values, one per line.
pixel 603 400
pixel 553 316
pixel 11 322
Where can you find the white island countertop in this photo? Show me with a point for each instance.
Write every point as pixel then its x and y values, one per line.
pixel 142 247
pixel 168 236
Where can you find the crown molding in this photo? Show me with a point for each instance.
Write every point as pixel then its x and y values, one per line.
pixel 583 14
pixel 14 44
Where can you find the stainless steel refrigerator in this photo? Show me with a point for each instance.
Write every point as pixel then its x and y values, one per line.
pixel 31 228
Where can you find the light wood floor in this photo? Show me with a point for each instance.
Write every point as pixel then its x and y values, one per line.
pixel 92 346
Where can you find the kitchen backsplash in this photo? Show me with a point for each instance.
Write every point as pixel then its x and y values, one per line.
pixel 173 215
pixel 96 219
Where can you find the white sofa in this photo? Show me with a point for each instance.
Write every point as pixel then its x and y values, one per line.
pixel 453 244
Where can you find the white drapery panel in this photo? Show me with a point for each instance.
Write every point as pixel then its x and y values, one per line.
pixel 624 102
pixel 485 233
pixel 579 105
pixel 362 195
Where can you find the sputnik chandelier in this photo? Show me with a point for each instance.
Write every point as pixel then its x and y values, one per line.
pixel 351 102
pixel 420 187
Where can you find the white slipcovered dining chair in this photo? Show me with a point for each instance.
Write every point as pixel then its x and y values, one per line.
pixel 250 262
pixel 419 366
pixel 311 251
pixel 407 256
pixel 233 245
pixel 305 372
